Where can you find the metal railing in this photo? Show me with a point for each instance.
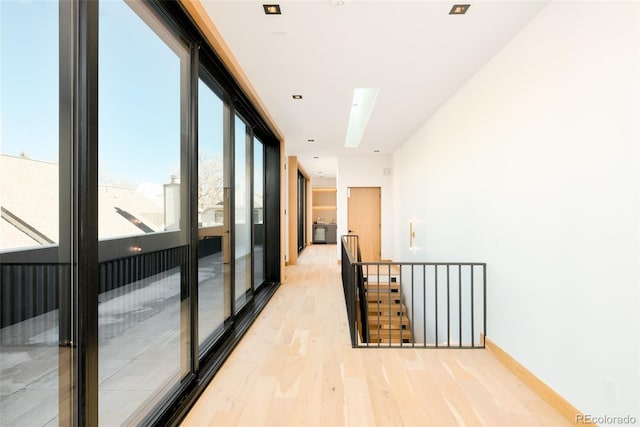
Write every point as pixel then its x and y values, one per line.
pixel 30 289
pixel 353 284
pixel 413 304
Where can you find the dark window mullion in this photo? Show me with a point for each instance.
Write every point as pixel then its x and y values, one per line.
pixel 66 373
pixel 84 210
pixel 229 141
pixel 193 202
pixel 250 194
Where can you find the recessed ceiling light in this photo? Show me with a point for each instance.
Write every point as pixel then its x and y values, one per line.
pixel 296 96
pixel 311 141
pixel 459 9
pixel 271 9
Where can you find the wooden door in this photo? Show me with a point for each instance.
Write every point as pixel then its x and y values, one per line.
pixel 363 213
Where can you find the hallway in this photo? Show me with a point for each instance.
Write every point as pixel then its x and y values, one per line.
pixel 296 367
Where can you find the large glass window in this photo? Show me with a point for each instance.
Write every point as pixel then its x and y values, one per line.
pixel 242 229
pixel 30 129
pixel 142 312
pixel 139 292
pixel 214 294
pixel 258 213
pixel 34 271
pixel 140 123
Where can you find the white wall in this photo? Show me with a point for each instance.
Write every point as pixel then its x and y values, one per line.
pixel 367 171
pixel 322 182
pixel 532 167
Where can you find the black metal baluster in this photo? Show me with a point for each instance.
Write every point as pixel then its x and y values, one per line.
pixel 484 302
pixel 448 310
pixel 435 277
pixel 473 320
pixel 424 309
pixel 460 305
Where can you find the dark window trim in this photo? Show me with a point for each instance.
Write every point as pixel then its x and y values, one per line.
pixel 78 99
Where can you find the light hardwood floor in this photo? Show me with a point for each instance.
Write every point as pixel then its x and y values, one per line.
pixel 296 367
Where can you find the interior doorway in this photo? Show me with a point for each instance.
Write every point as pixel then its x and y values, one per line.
pixel 363 219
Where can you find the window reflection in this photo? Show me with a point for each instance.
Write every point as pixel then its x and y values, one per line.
pixel 143 303
pixel 33 271
pixel 258 213
pixel 143 335
pixel 242 230
pixel 214 295
pixel 140 123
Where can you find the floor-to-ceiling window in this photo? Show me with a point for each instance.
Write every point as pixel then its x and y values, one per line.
pixel 214 283
pixel 143 92
pixel 242 211
pixel 258 213
pixel 35 242
pixel 132 188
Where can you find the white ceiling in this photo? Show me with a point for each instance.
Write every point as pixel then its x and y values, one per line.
pixel 414 51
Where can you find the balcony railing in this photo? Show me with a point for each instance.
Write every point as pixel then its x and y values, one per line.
pixel 139 315
pixel 32 283
pixel 413 304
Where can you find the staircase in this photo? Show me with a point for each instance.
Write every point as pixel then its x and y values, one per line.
pixel 380 308
pixel 386 312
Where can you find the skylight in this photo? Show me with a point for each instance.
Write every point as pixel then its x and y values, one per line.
pixel 361 108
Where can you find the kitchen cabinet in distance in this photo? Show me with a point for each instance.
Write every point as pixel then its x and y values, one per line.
pixel 324 233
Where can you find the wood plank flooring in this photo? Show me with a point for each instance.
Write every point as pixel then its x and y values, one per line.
pixel 296 367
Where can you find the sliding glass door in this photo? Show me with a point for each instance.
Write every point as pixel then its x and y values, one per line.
pixel 258 214
pixel 143 305
pixel 133 205
pixel 242 212
pixel 36 241
pixel 214 269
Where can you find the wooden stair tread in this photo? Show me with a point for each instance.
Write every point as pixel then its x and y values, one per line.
pixel 387 318
pixel 406 333
pixel 390 341
pixel 385 313
pixel 382 270
pixel 382 322
pixel 390 336
pixel 382 287
pixel 388 328
pixel 383 297
pixel 394 306
pixel 377 303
